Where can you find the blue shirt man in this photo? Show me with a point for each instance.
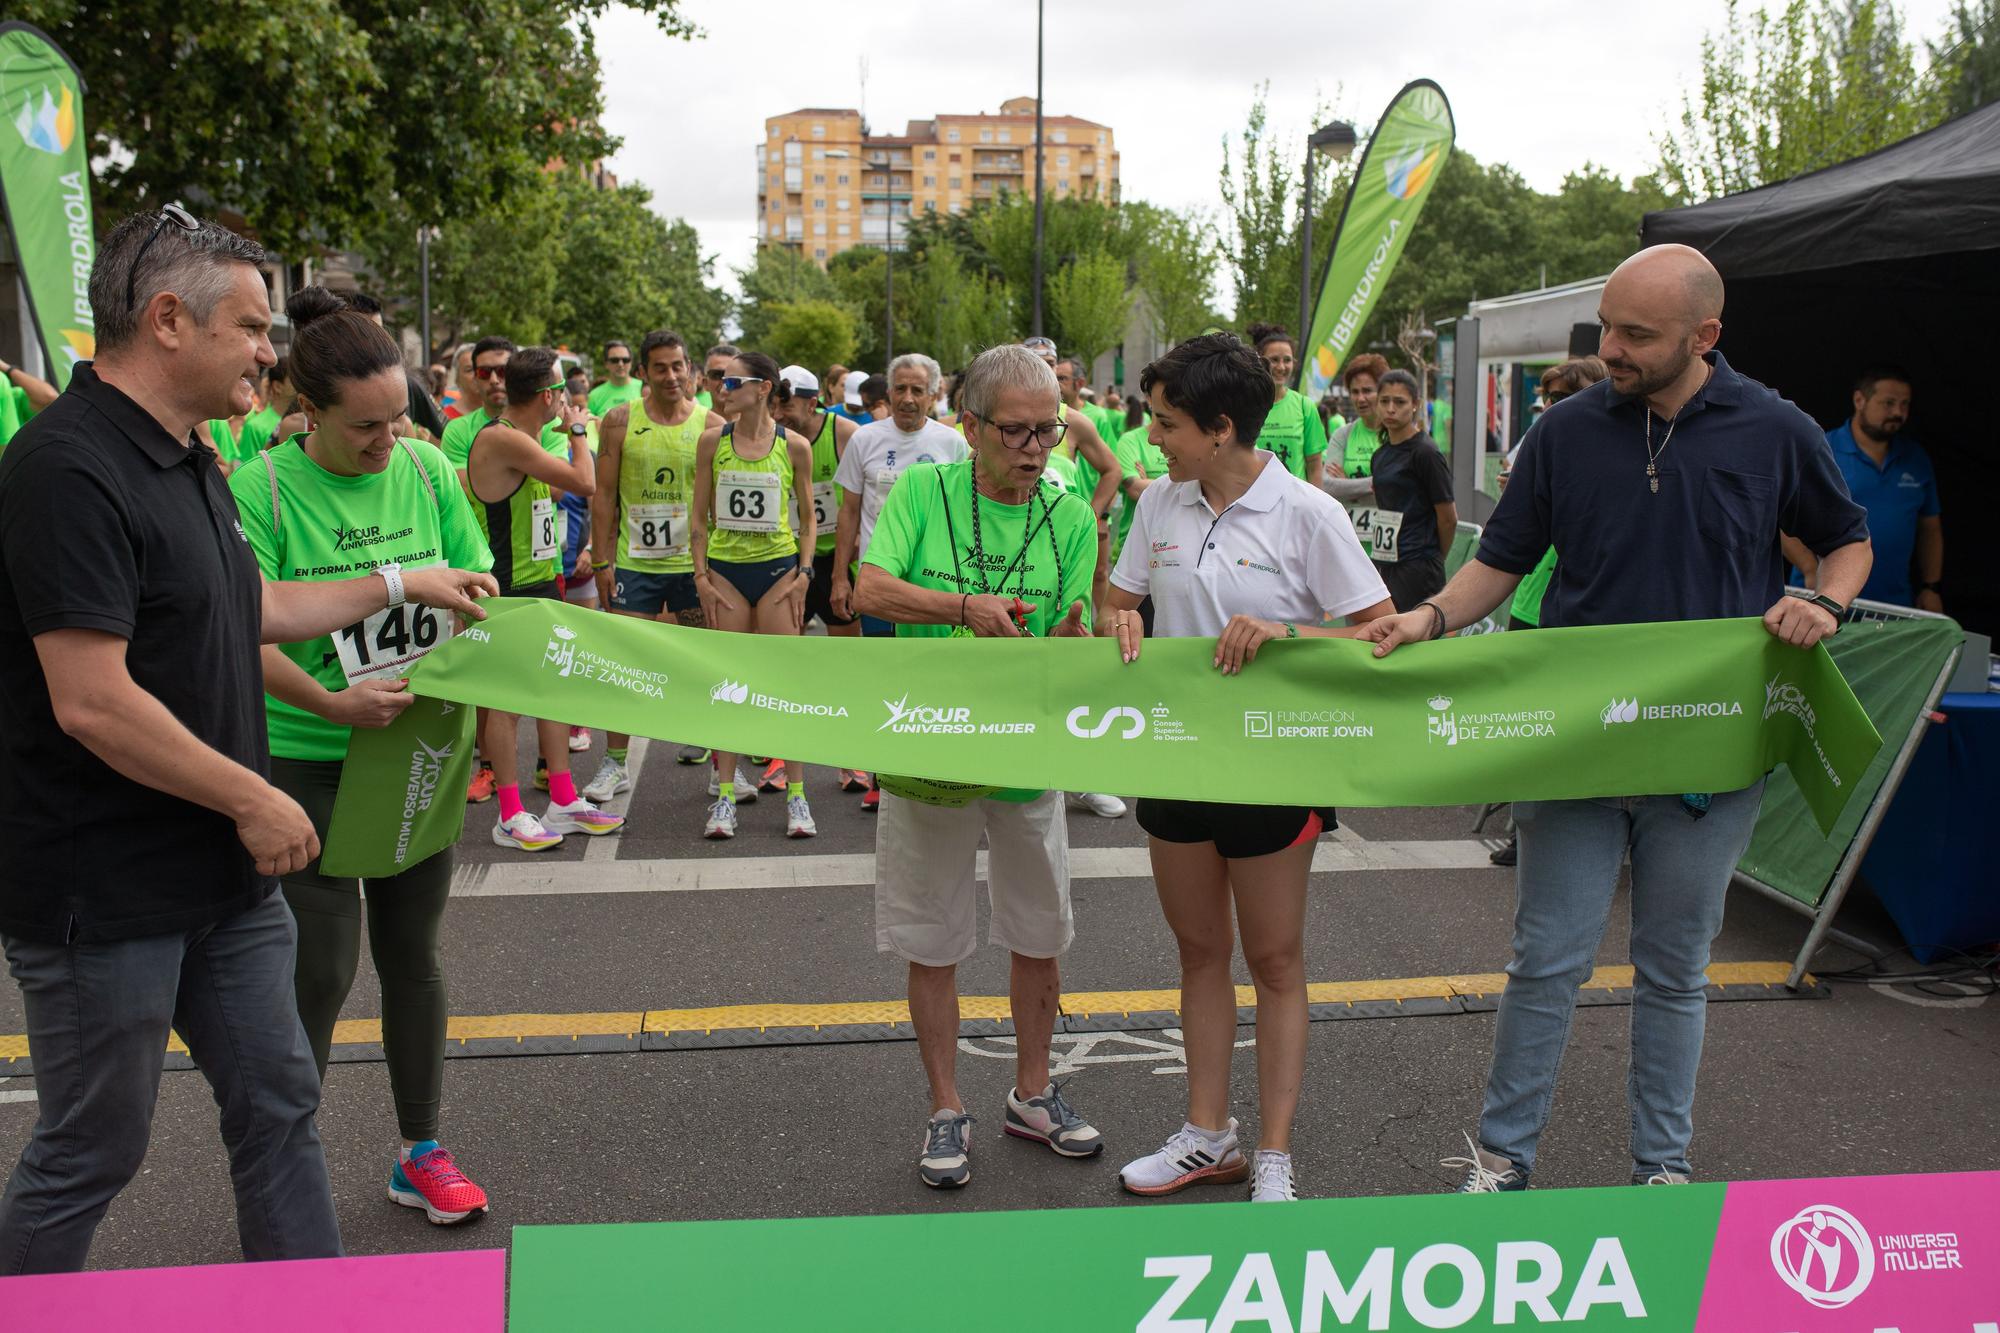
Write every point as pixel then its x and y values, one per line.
pixel 1890 475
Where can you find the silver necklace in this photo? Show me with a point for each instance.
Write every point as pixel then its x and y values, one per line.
pixel 1652 454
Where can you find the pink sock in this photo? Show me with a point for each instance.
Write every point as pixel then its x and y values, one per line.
pixel 510 801
pixel 562 788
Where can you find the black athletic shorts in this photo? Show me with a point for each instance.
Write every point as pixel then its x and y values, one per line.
pixel 551 590
pixel 1238 831
pixel 819 597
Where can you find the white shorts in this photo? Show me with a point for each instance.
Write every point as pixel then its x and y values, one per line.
pixel 926 894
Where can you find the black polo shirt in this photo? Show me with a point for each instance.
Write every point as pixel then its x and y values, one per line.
pixel 108 523
pixel 1743 465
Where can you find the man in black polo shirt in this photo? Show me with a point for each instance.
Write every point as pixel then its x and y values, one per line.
pixel 1665 488
pixel 142 830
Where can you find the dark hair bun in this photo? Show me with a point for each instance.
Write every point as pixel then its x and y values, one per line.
pixel 310 303
pixel 1257 333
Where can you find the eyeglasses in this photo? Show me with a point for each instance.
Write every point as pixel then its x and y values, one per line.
pixel 1045 436
pixel 711 374
pixel 731 383
pixel 1553 395
pixel 617 360
pixel 1039 344
pixel 490 372
pixel 173 213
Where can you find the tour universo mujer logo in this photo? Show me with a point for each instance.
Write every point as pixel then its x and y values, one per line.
pixel 1824 1254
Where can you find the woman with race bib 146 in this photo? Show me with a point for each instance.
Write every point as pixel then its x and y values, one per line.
pixel 1231 545
pixel 346 498
pixel 750 568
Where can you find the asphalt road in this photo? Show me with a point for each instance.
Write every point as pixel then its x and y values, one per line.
pixel 1865 1080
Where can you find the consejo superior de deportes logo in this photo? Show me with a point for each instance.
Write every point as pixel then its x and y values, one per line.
pixel 1824 1254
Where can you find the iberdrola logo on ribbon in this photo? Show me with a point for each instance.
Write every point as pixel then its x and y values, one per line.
pixel 51 127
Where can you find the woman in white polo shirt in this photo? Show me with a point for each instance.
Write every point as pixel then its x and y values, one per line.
pixel 1231 545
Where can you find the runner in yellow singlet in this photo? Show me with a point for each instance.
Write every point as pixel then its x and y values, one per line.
pixel 750 568
pixel 641 514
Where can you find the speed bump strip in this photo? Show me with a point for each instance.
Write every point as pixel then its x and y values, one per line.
pixel 980 1016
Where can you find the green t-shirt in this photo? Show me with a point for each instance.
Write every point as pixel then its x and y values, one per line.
pixel 1293 432
pixel 655 492
pixel 237 448
pixel 1359 448
pixel 608 395
pixel 1137 455
pixel 1441 424
pixel 1065 474
pixel 258 428
pixel 458 433
pixel 328 527
pixel 15 409
pixel 523 532
pixel 924 537
pixel 1529 592
pixel 705 400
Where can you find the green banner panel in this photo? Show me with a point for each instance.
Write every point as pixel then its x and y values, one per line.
pixel 1891 666
pixel 1701 706
pixel 45 185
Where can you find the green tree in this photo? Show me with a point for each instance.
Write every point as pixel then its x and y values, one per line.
pixel 315 119
pixel 1091 304
pixel 495 272
pixel 1967 59
pixel 857 275
pixel 955 312
pixel 779 275
pixel 808 333
pixel 1176 262
pixel 1790 92
pixel 1262 186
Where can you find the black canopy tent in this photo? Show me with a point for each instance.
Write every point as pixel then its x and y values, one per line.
pixel 1890 257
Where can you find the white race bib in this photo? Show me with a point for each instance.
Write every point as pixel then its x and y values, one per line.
pixel 656 531
pixel 385 644
pixel 747 501
pixel 542 517
pixel 1381 533
pixel 878 482
pixel 826 506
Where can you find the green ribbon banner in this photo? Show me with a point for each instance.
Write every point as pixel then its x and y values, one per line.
pixel 45 187
pixel 1699 706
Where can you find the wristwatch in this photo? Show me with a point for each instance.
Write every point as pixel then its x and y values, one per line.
pixel 807 571
pixel 1827 604
pixel 579 428
pixel 392 574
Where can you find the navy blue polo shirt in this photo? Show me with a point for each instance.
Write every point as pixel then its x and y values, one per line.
pixel 1742 466
pixel 1896 494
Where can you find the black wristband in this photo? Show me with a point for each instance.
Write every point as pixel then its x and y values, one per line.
pixel 961 607
pixel 1437 613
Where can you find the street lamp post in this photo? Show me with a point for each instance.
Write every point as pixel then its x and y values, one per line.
pixel 1337 142
pixel 1037 329
pixel 424 263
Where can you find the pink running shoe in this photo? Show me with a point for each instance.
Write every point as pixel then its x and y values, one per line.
pixel 430 1180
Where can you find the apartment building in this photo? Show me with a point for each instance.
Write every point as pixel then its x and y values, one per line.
pixel 824 183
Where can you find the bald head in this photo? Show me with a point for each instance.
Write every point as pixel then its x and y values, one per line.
pixel 1669 282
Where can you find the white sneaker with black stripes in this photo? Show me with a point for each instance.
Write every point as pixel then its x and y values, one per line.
pixel 1191 1157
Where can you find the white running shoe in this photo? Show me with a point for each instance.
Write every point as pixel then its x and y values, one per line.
pixel 746 790
pixel 721 820
pixel 612 778
pixel 579 739
pixel 580 816
pixel 1105 807
pixel 799 819
pixel 525 833
pixel 1272 1178
pixel 1191 1157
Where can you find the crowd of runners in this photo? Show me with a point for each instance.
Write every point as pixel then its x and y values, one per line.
pixel 258 548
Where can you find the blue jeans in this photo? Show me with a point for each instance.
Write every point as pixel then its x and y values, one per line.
pixel 1570 854
pixel 98 1018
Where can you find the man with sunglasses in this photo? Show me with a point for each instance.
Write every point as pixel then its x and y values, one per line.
pixel 619 385
pixel 981 548
pixel 489 373
pixel 713 367
pixel 132 700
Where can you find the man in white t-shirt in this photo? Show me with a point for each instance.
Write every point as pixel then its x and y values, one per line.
pixel 875 457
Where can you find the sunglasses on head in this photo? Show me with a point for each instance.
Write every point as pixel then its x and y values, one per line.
pixel 173 213
pixel 731 383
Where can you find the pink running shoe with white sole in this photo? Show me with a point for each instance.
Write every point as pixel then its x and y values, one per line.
pixel 430 1180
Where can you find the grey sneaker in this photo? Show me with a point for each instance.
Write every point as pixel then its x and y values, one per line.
pixel 746 790
pixel 946 1162
pixel 611 779
pixel 721 821
pixel 1487 1172
pixel 1660 1177
pixel 1271 1178
pixel 691 754
pixel 1051 1120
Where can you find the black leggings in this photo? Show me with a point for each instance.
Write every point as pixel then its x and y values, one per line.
pixel 405 913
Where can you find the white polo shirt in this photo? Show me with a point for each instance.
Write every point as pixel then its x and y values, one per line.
pixel 1284 551
pixel 877 455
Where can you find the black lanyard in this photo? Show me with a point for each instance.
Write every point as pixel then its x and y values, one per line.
pixel 1034 529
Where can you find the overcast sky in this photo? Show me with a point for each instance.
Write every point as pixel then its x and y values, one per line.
pixel 1544 85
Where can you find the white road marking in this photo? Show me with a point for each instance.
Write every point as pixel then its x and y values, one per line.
pixel 15 1094
pixel 516 879
pixel 1074 1051
pixel 605 846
